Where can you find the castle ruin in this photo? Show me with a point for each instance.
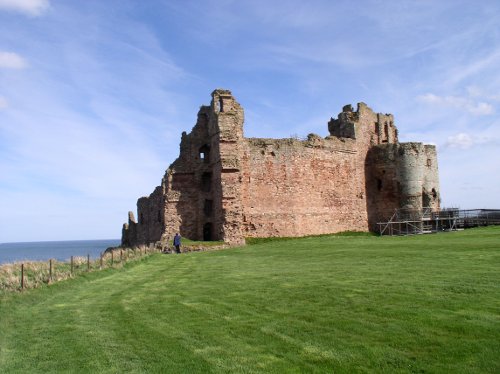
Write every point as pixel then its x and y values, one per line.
pixel 224 186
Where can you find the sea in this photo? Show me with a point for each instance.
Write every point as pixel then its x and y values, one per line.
pixel 58 250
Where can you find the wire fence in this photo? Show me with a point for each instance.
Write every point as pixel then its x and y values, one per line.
pixel 23 275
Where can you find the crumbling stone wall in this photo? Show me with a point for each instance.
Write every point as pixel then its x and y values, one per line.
pixel 227 187
pixel 296 188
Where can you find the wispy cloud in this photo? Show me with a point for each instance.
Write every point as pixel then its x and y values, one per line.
pixel 476 65
pixel 463 103
pixel 11 60
pixel 91 120
pixel 475 91
pixel 466 141
pixel 28 7
pixel 97 117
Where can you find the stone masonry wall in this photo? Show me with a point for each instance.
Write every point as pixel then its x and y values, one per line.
pixel 318 186
pixel 224 186
pixel 227 144
pixel 294 188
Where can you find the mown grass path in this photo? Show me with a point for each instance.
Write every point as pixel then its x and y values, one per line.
pixel 328 304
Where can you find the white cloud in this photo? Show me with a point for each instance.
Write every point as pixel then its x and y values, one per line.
pixel 29 7
pixel 465 141
pixel 3 103
pixel 11 60
pixel 476 108
pixel 100 117
pixel 475 91
pixel 480 109
pixel 461 140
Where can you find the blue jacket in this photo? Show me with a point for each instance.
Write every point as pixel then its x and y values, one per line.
pixel 177 240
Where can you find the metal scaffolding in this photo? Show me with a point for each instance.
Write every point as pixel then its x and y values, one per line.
pixel 425 221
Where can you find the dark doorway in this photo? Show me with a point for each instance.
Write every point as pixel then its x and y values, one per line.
pixel 207 232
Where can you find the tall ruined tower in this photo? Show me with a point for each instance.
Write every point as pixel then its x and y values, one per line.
pixel 199 194
pixel 224 186
pixel 226 136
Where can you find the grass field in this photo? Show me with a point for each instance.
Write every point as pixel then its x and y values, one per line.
pixel 344 304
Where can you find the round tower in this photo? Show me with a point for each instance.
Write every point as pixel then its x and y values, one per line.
pixel 410 166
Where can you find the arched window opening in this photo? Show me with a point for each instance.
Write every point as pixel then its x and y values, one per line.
pixel 221 104
pixel 379 184
pixel 205 153
pixel 386 133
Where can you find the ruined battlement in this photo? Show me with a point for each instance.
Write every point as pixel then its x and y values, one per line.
pixel 364 123
pixel 224 186
pixel 291 145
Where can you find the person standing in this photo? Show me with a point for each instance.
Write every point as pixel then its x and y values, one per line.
pixel 177 243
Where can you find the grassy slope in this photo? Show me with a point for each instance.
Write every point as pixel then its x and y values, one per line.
pixel 344 304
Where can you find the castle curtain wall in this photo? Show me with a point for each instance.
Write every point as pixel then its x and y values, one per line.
pixel 224 186
pixel 297 188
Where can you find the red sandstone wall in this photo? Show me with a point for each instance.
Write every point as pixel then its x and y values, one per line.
pixel 284 187
pixel 294 188
pixel 196 208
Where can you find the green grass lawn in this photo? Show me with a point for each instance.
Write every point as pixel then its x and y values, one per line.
pixel 340 304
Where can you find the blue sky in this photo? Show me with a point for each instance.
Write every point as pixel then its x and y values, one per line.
pixel 94 95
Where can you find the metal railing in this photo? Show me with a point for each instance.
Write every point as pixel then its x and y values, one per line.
pixel 422 221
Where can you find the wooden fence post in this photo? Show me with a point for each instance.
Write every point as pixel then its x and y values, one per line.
pixel 72 265
pixel 22 277
pixel 112 258
pixel 50 270
pixel 121 255
pixel 100 264
pixel 88 262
